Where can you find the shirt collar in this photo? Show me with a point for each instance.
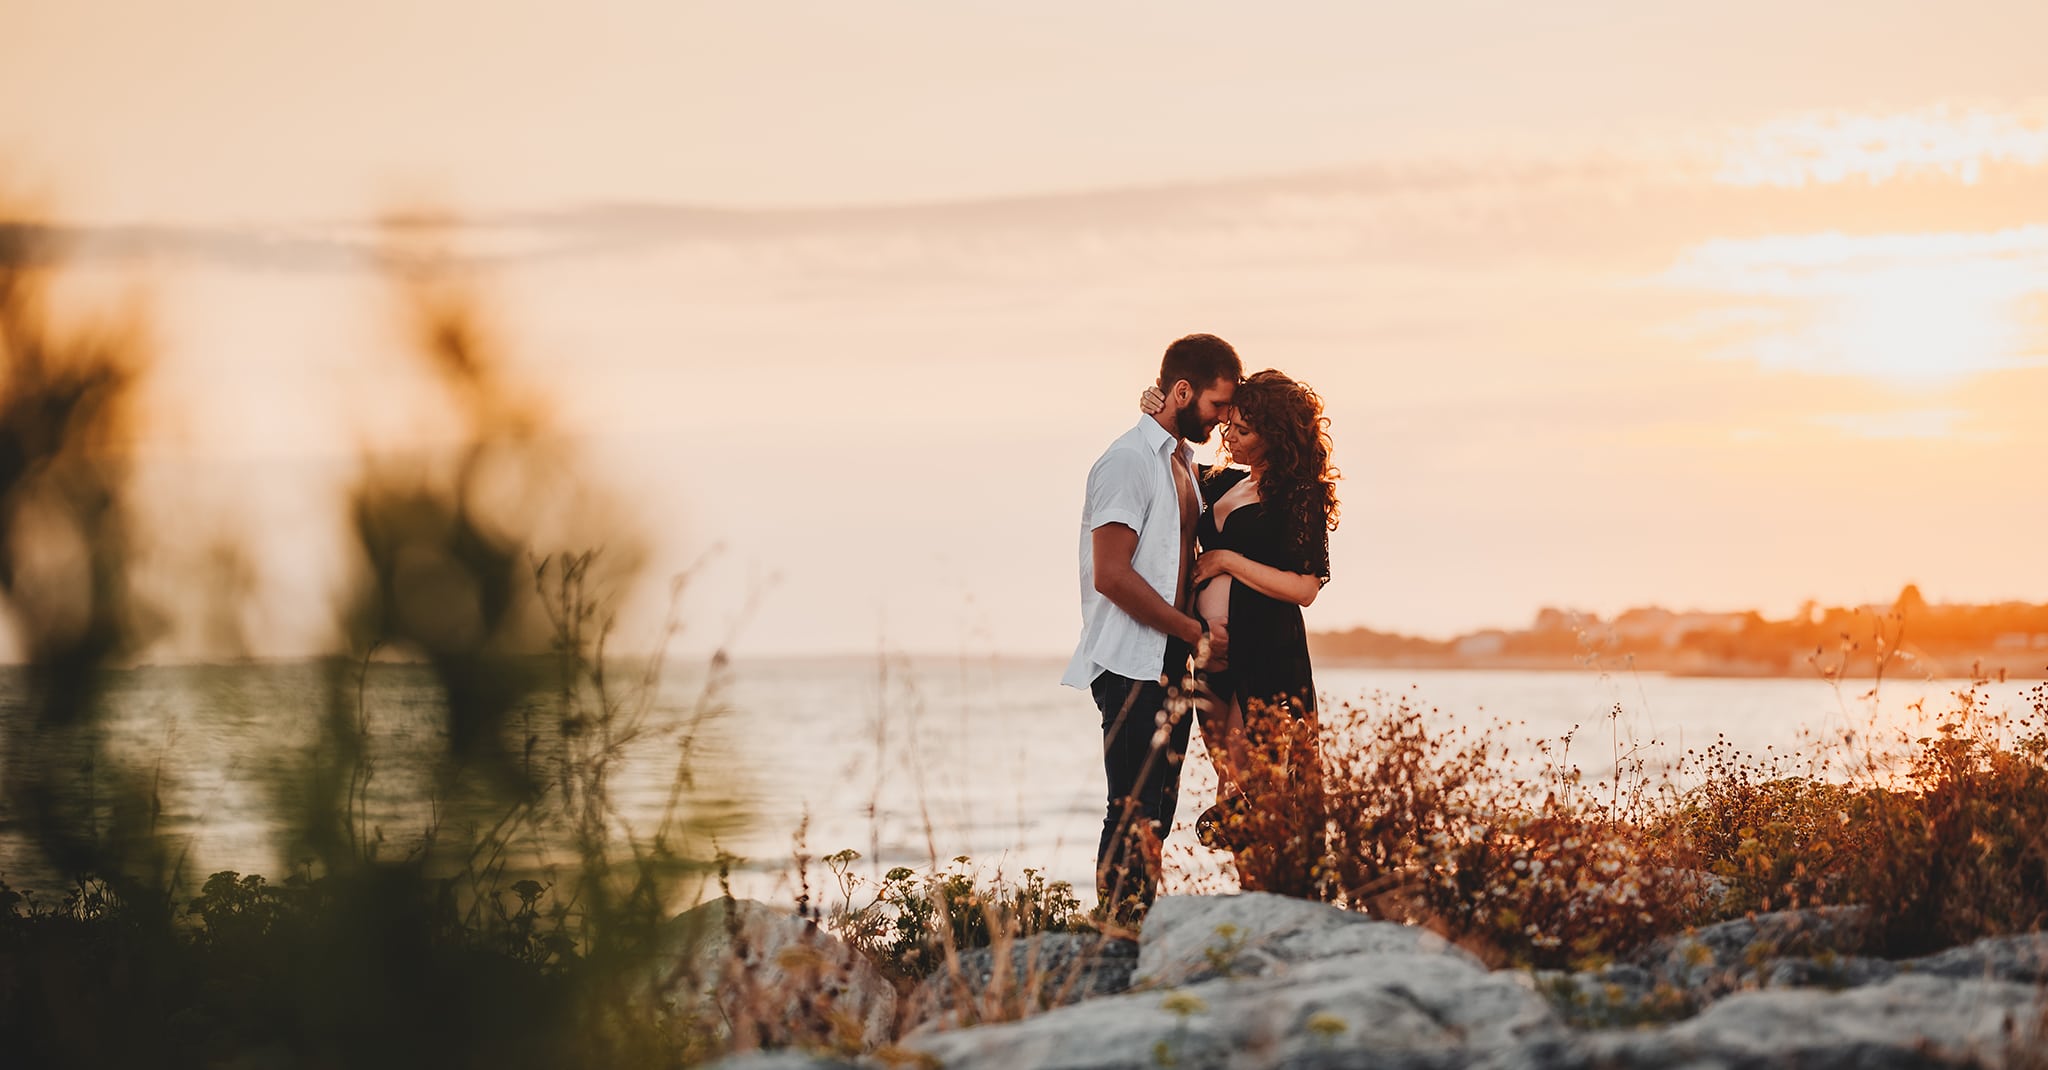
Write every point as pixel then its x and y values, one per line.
pixel 1158 437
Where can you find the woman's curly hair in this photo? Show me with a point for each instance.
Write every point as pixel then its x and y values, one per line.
pixel 1299 483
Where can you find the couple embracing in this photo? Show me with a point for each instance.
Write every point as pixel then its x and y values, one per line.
pixel 1192 586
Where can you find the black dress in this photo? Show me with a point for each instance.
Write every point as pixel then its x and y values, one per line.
pixel 1268 642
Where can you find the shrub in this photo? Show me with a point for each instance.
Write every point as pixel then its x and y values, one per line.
pixel 1958 848
pixel 1438 826
pixel 1776 840
pixel 1944 838
pixel 912 921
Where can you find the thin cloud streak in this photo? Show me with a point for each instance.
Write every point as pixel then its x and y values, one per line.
pixel 1348 196
pixel 1461 208
pixel 1835 147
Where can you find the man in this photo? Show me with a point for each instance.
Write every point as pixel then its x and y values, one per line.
pixel 1138 630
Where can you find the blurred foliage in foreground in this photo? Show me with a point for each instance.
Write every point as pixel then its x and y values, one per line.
pixel 516 923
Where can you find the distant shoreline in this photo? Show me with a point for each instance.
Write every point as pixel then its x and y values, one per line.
pixel 1910 638
pixel 1607 664
pixel 1731 672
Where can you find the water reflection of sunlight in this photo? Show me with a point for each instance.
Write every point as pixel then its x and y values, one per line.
pixel 1913 310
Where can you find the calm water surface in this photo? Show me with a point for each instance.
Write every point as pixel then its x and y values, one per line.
pixel 904 760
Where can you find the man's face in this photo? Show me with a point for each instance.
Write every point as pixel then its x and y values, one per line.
pixel 1208 408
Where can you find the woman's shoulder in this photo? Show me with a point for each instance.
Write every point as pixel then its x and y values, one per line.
pixel 1217 478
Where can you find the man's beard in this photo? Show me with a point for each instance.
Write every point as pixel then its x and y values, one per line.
pixel 1188 423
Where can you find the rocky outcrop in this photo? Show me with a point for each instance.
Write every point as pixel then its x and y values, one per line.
pixel 1256 980
pixel 1194 938
pixel 1393 1008
pixel 1260 979
pixel 1907 1023
pixel 1734 954
pixel 1675 977
pixel 2022 959
pixel 1005 983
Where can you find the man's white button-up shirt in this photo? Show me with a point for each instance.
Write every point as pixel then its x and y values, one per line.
pixel 1131 484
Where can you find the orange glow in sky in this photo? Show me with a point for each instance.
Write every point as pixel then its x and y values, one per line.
pixel 1721 306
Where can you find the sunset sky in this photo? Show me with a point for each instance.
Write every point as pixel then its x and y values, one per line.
pixel 1709 306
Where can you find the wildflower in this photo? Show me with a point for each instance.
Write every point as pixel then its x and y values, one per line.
pixel 1326 1025
pixel 1183 1004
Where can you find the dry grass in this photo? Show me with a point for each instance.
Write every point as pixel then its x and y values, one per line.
pixel 1942 832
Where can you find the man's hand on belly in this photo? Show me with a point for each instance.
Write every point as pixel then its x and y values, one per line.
pixel 1213 652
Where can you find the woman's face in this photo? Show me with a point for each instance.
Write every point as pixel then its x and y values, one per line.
pixel 1242 442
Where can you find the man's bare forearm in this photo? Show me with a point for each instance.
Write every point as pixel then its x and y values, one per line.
pixel 1114 547
pixel 1129 592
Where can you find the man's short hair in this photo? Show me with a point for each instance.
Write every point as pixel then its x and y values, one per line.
pixel 1201 359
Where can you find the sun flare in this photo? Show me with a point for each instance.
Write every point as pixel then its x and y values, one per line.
pixel 1914 311
pixel 1924 324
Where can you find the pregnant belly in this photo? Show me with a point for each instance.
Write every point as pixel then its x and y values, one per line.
pixel 1212 602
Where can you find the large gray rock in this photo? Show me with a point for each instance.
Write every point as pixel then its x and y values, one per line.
pixel 1379 1009
pixel 1619 995
pixel 999 984
pixel 1258 980
pixel 1949 1018
pixel 1825 970
pixel 1674 977
pixel 1907 1022
pixel 1717 959
pixel 1631 995
pixel 763 977
pixel 1189 938
pixel 2022 958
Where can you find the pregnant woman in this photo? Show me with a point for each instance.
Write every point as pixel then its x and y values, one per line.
pixel 1265 540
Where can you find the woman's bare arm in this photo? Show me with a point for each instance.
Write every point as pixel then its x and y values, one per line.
pixel 1296 587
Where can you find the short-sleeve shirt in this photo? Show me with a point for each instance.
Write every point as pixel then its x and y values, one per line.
pixel 1131 484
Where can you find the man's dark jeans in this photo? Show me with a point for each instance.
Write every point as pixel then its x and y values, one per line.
pixel 1144 784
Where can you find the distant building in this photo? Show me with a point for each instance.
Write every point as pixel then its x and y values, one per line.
pixel 1482 644
pixel 1563 620
pixel 1654 626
